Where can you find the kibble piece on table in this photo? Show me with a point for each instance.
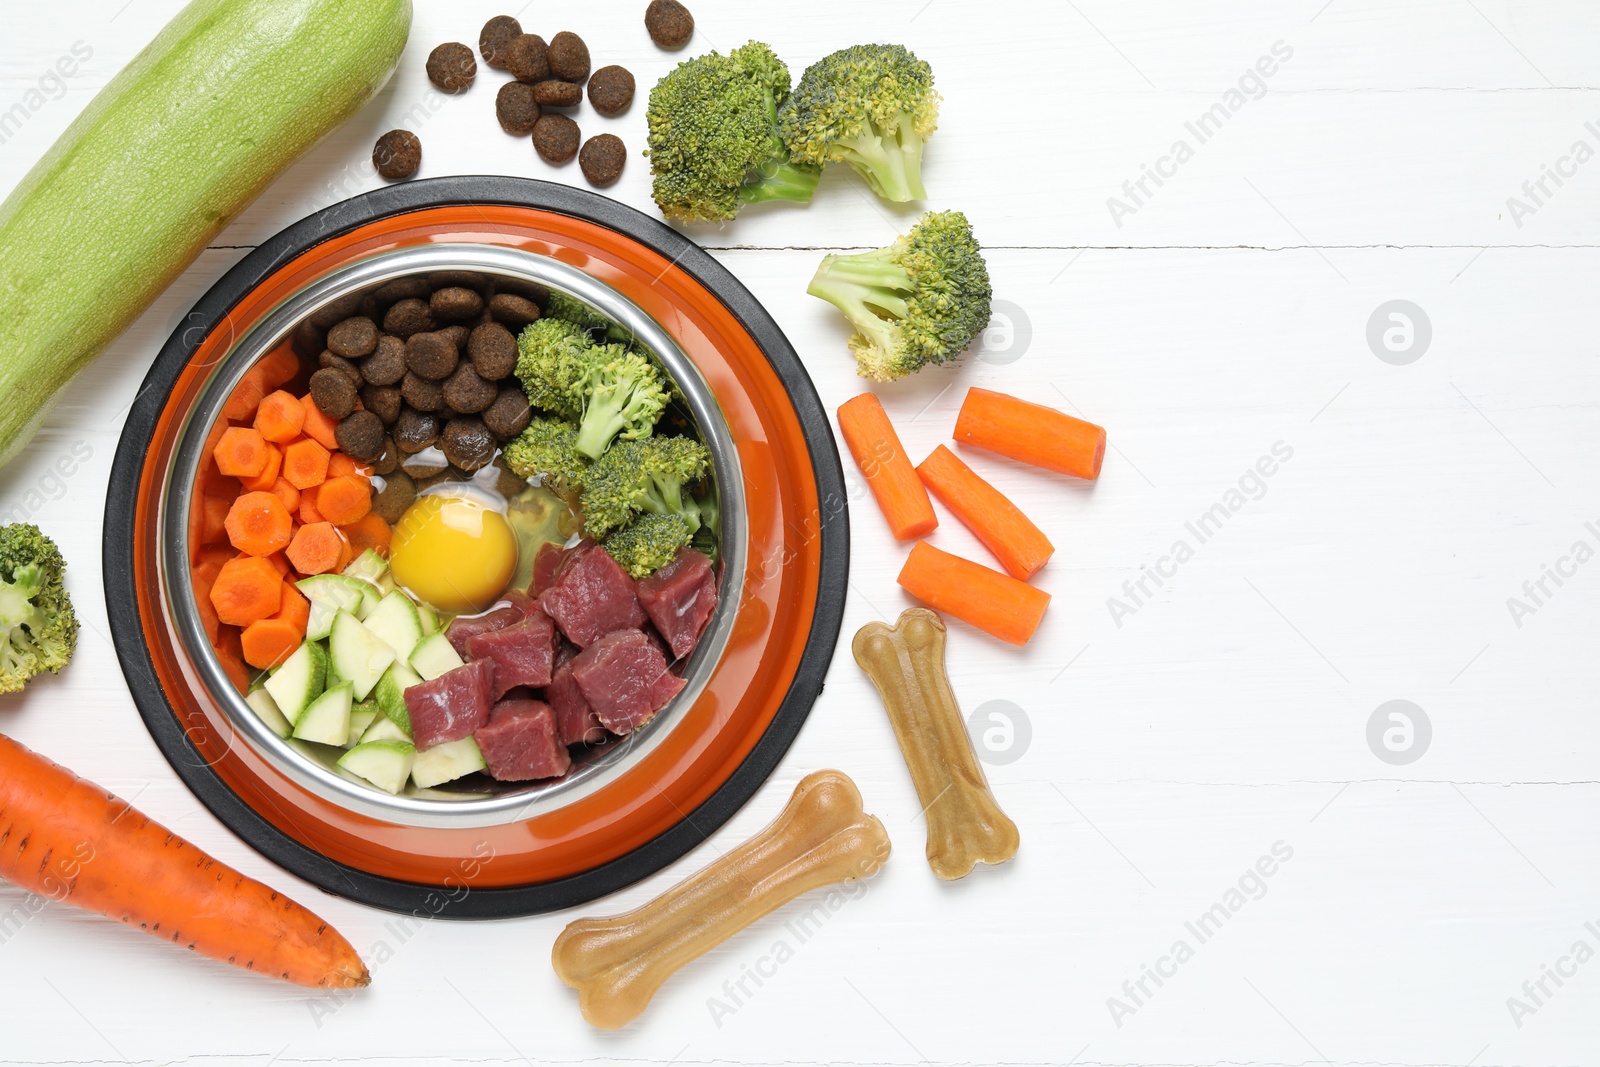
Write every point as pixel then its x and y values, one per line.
pixel 415 430
pixel 569 57
pixel 493 351
pixel 467 443
pixel 387 364
pixel 409 316
pixel 333 393
pixel 452 67
pixel 528 59
pixel 431 355
pixel 509 414
pixel 512 310
pixel 516 108
pixel 456 303
pixel 602 158
pixel 343 366
pixel 669 23
pixel 556 138
pixel 466 393
pixel 494 41
pixel 557 94
pixel 611 90
pixel 421 393
pixel 360 436
pixel 397 155
pixel 382 400
pixel 353 338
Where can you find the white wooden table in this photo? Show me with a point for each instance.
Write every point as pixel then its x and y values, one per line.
pixel 1218 718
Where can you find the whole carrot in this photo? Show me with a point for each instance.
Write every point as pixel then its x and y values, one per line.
pixel 68 839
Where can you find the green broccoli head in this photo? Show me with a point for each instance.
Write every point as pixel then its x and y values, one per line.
pixel 545 450
pixel 571 309
pixel 871 106
pixel 648 543
pixel 713 136
pixel 623 396
pixel 921 300
pixel 650 476
pixel 553 356
pixel 36 617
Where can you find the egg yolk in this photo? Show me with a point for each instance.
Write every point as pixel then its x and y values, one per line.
pixel 455 553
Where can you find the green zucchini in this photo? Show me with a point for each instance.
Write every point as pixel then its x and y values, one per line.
pixel 190 132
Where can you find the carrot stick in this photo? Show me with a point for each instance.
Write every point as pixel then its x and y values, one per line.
pixel 1019 545
pixel 247 589
pixel 70 840
pixel 995 603
pixel 344 500
pixel 286 493
pixel 241 405
pixel 308 506
pixel 883 460
pixel 258 524
pixel 266 643
pixel 316 548
pixel 263 482
pixel 1031 433
pixel 279 367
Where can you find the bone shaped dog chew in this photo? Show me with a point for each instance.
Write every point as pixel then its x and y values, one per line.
pixel 822 836
pixel 906 663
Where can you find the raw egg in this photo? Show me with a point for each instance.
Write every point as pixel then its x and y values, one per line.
pixel 454 549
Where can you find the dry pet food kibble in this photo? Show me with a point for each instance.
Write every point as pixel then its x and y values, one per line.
pixel 555 138
pixel 513 310
pixel 611 90
pixel 360 436
pixel 516 108
pixel 382 400
pixel 399 491
pixel 494 42
pixel 569 57
pixel 527 58
pixel 467 443
pixel 822 837
pixel 415 430
pixel 387 365
pixel 353 338
pixel 401 289
pixel 493 351
pixel 431 355
pixel 906 663
pixel 509 414
pixel 421 393
pixel 669 23
pixel 342 365
pixel 602 158
pixel 409 316
pixel 452 68
pixel 333 393
pixel 397 155
pixel 557 94
pixel 466 393
pixel 456 303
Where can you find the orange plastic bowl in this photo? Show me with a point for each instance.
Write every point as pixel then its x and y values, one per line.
pixel 777 635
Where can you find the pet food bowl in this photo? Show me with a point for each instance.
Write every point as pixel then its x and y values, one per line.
pixel 480 849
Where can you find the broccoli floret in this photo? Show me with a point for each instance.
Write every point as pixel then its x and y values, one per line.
pixel 40 627
pixel 871 106
pixel 921 300
pixel 623 395
pixel 714 143
pixel 649 476
pixel 648 543
pixel 553 356
pixel 571 309
pixel 545 451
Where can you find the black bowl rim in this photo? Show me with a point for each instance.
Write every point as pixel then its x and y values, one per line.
pixel 429 900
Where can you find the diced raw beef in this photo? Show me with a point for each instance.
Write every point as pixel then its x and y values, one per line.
pixel 624 678
pixel 523 653
pixel 576 722
pixel 507 612
pixel 451 706
pixel 546 562
pixel 592 597
pixel 680 599
pixel 519 742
